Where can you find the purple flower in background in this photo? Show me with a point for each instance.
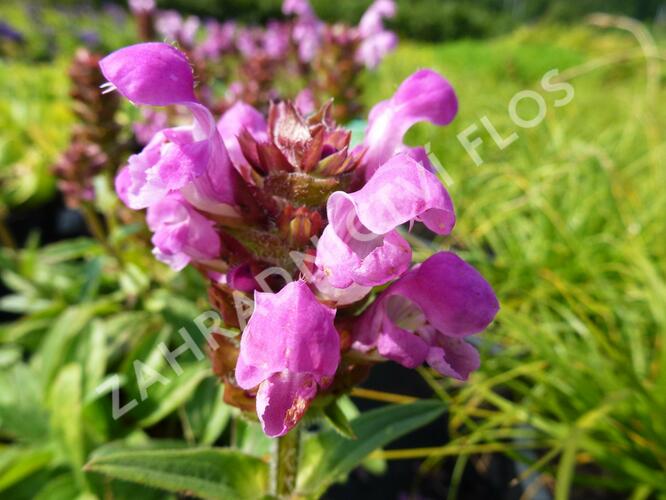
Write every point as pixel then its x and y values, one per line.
pixel 305 102
pixel 287 367
pixel 191 159
pixel 180 233
pixel 300 8
pixel 372 21
pixel 276 39
pixel 154 120
pixel 218 41
pixel 424 96
pixel 426 315
pixel 308 29
pixel 376 41
pixel 171 25
pixel 272 42
pixel 247 42
pixel 361 245
pixel 372 50
pixel 142 6
pixel 89 38
pixel 117 13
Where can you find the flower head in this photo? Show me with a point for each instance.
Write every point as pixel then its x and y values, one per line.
pixel 252 193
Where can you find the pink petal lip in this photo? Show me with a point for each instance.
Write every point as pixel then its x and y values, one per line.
pixel 151 73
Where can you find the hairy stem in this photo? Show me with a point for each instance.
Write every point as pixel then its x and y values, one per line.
pixel 284 467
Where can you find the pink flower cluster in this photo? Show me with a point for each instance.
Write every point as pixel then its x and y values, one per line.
pixel 237 195
pixel 375 41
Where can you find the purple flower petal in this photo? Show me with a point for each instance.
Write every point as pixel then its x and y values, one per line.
pixel 287 365
pixel 338 296
pixel 360 244
pixel 181 234
pixel 241 278
pixel 423 315
pixel 453 295
pixel 455 358
pixel 122 184
pixel 153 73
pixel 305 102
pixel 349 253
pixel 297 7
pixel 241 116
pixel 283 399
pixel 402 191
pixel 424 96
pixel 374 48
pixel 192 160
pixel 401 346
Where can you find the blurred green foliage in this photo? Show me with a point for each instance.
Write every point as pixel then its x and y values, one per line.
pixel 35 110
pixel 433 20
pixel 34 101
pixel 428 20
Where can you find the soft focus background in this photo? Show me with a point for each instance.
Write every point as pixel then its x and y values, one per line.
pixel 568 223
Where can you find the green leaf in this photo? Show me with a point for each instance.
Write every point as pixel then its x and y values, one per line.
pixel 207 472
pixel 18 283
pixel 207 414
pixel 375 465
pixel 21 304
pixel 16 330
pixel 251 439
pixel 23 415
pixel 9 356
pixel 332 456
pixel 17 463
pixel 66 418
pixel 93 276
pixel 338 420
pixel 59 338
pixel 60 488
pixel 175 393
pixel 95 355
pixel 69 250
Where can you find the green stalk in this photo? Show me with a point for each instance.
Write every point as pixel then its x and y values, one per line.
pixel 6 238
pixel 96 227
pixel 284 466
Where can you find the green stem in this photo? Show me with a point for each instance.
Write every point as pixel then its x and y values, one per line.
pixel 6 237
pixel 96 227
pixel 285 464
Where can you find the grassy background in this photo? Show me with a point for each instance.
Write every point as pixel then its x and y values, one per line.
pixel 568 223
